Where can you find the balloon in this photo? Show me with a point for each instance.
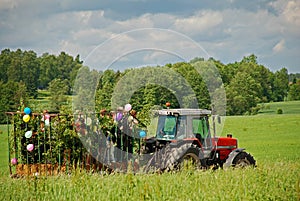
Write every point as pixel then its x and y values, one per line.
pixel 14 161
pixel 47 122
pixel 119 116
pixel 127 107
pixel 28 134
pixel 142 134
pixel 30 147
pixel 88 121
pixel 26 118
pixel 27 110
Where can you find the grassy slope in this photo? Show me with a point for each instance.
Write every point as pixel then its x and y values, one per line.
pixel 290 107
pixel 268 137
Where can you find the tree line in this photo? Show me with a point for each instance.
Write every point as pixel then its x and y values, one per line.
pixel 246 83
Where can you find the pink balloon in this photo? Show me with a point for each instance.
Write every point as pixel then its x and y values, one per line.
pixel 14 161
pixel 30 147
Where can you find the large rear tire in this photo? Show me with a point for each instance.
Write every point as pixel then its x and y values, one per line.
pixel 243 159
pixel 190 160
pixel 175 157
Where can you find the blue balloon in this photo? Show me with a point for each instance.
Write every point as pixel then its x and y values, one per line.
pixel 142 134
pixel 27 110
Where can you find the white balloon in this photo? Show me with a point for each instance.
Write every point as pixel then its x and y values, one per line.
pixel 28 134
pixel 127 107
pixel 47 122
pixel 88 121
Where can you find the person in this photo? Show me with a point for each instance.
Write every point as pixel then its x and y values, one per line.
pixel 80 126
pixel 107 128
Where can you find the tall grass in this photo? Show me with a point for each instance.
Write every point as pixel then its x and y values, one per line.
pixel 276 181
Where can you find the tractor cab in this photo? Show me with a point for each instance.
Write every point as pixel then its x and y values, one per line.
pixel 180 124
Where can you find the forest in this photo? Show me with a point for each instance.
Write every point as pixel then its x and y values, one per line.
pixel 247 83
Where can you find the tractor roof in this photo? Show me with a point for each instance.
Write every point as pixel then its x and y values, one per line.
pixel 182 111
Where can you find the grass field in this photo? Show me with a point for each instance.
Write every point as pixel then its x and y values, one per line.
pixel 290 107
pixel 274 141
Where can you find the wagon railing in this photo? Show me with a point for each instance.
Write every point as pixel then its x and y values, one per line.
pixel 53 143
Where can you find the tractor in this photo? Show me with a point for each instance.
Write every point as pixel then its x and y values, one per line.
pixel 185 136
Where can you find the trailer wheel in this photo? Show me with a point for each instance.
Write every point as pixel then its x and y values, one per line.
pixel 243 159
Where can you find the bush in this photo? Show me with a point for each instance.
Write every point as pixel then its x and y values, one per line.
pixel 255 110
pixel 279 111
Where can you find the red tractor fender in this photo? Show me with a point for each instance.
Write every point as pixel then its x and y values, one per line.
pixel 232 156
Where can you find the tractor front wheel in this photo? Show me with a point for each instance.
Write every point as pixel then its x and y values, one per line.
pixel 243 159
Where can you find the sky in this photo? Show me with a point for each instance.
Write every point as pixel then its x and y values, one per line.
pixel 130 33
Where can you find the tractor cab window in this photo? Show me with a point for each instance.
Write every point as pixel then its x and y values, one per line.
pixel 171 127
pixel 200 128
pixel 166 127
pixel 181 127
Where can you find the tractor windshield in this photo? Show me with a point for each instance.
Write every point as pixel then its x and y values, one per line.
pixel 171 127
pixel 166 127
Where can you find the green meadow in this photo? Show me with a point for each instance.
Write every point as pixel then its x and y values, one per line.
pixel 273 139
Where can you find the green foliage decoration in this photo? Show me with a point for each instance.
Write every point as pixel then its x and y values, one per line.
pixel 51 141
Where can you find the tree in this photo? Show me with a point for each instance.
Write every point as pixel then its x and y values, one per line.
pixel 58 90
pixel 280 84
pixel 106 84
pixel 13 97
pixel 48 70
pixel 84 90
pixel 30 72
pixel 294 91
pixel 64 67
pixel 5 60
pixel 249 59
pixel 67 67
pixel 14 70
pixel 242 94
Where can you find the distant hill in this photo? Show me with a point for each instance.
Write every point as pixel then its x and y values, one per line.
pixel 288 107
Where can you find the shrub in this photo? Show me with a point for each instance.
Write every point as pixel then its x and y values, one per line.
pixel 279 111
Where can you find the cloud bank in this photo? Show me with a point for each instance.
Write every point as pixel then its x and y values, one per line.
pixel 227 31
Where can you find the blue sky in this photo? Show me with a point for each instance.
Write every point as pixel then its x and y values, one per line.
pixel 226 30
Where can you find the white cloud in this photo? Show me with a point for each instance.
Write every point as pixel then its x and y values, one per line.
pixel 7 4
pixel 199 22
pixel 292 12
pixel 134 23
pixel 289 11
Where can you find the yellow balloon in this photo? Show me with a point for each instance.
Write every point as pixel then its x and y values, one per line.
pixel 26 118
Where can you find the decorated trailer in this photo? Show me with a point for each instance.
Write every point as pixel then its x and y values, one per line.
pixel 52 143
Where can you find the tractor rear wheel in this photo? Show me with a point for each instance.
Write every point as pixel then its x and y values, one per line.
pixel 175 157
pixel 184 156
pixel 243 159
pixel 190 160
